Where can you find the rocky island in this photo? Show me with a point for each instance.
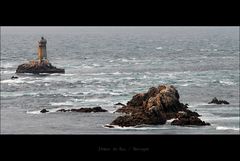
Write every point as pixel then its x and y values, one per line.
pixel 155 107
pixel 42 65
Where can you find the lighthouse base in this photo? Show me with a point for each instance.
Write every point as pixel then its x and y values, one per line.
pixel 37 67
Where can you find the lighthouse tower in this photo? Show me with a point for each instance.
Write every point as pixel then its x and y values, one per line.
pixel 42 49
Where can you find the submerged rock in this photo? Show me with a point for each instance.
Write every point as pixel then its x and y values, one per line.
pixel 216 101
pixel 38 67
pixel 155 107
pixel 14 77
pixel 94 109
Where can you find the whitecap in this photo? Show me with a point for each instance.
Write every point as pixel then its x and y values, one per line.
pixel 12 81
pixel 159 48
pixel 7 72
pixel 114 94
pixel 46 84
pixel 33 112
pixel 124 60
pixel 227 82
pixel 227 128
pixel 185 84
pixel 67 103
pixel 96 65
pixel 86 67
pixel 116 73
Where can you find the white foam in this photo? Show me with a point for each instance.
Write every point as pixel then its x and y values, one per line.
pixel 140 127
pixel 116 73
pixel 33 112
pixel 159 48
pixel 7 72
pixel 124 60
pixel 199 104
pixel 227 128
pixel 96 65
pixel 12 81
pixel 185 84
pixel 67 103
pixel 227 82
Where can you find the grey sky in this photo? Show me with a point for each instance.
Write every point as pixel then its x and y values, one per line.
pixel 102 29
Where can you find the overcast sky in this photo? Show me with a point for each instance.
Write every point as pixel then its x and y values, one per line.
pixel 77 29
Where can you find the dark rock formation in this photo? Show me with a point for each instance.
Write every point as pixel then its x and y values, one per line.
pixel 184 118
pixel 38 67
pixel 216 101
pixel 63 110
pixel 44 111
pixel 14 77
pixel 94 109
pixel 141 117
pixel 155 107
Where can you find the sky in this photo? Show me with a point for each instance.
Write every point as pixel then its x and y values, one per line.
pixel 43 30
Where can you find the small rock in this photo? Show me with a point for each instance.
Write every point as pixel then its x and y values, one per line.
pixel 216 101
pixel 44 111
pixel 62 110
pixel 14 77
pixel 94 109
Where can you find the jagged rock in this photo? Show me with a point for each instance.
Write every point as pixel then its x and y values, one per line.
pixel 38 67
pixel 44 111
pixel 94 109
pixel 155 107
pixel 139 118
pixel 188 120
pixel 216 101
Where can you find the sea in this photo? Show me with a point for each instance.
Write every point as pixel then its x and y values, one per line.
pixel 105 65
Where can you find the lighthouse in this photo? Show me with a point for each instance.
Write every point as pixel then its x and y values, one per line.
pixel 42 49
pixel 41 65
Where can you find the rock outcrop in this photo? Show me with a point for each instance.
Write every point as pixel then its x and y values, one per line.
pixel 184 118
pixel 155 107
pixel 44 111
pixel 94 109
pixel 38 67
pixel 216 101
pixel 141 117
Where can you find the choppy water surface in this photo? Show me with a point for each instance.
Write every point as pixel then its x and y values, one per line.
pixel 106 65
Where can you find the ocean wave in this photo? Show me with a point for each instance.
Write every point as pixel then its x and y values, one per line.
pixel 227 128
pixel 227 82
pixel 159 48
pixel 67 103
pixel 200 104
pixel 224 82
pixel 27 80
pixel 7 72
pixel 138 127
